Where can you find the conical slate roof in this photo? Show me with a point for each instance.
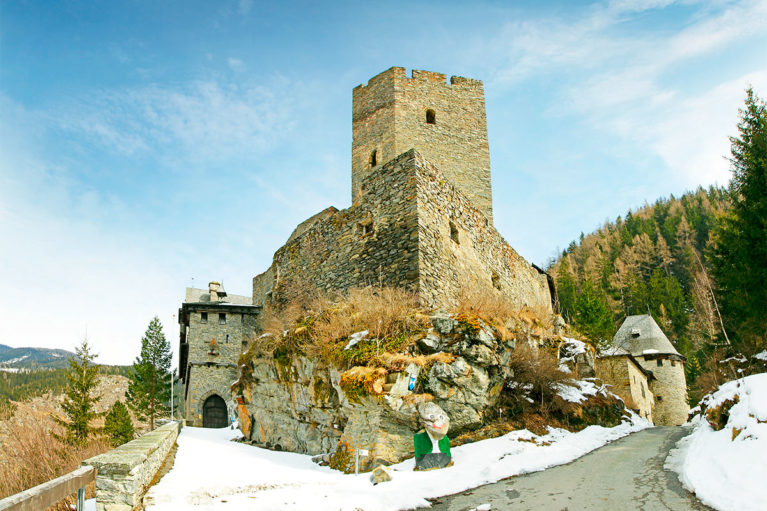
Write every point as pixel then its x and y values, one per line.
pixel 641 335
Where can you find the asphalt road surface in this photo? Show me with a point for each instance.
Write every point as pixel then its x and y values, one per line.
pixel 625 475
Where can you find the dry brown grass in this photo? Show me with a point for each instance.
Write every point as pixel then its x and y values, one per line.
pixel 496 309
pixel 536 376
pixel 317 326
pixel 399 361
pixel 31 456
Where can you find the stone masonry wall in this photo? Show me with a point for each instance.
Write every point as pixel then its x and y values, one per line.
pixel 628 382
pixel 212 368
pixel 480 259
pixel 670 390
pixel 389 116
pixel 408 206
pixel 373 242
pixel 124 473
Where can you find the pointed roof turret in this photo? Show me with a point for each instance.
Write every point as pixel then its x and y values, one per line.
pixel 641 335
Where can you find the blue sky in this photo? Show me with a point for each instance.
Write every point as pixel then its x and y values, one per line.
pixel 145 144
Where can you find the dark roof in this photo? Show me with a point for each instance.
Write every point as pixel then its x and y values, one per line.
pixel 641 335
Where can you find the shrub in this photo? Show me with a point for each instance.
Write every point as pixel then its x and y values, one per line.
pixel 535 381
pixel 117 425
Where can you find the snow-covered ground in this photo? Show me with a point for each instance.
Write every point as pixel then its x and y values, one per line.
pixel 211 472
pixel 728 473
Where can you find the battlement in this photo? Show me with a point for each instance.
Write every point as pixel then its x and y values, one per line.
pixel 444 119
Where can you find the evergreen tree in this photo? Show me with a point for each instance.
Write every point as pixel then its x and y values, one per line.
pixel 117 425
pixel 149 388
pixel 566 291
pixel 79 396
pixel 592 315
pixel 739 254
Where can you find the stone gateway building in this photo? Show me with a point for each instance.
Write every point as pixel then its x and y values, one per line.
pixel 214 327
pixel 647 371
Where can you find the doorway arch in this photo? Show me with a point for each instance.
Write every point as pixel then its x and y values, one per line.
pixel 214 413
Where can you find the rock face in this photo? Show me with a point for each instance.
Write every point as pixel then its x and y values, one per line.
pixel 296 404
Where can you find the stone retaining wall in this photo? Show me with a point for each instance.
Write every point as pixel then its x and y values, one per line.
pixel 124 473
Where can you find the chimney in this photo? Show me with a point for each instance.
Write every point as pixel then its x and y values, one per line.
pixel 213 287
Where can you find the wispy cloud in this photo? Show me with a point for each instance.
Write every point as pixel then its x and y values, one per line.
pixel 201 121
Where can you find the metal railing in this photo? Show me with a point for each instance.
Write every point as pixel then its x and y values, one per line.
pixel 47 494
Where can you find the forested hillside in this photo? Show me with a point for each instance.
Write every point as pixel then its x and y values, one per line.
pixel 652 261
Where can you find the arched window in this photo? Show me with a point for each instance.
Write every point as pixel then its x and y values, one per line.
pixel 374 158
pixel 431 117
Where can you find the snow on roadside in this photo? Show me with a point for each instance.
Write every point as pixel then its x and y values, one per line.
pixel 728 473
pixel 211 472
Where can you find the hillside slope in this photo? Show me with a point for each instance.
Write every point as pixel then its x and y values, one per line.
pixel 650 261
pixel 12 359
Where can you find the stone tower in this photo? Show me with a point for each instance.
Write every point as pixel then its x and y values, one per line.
pixel 641 337
pixel 445 121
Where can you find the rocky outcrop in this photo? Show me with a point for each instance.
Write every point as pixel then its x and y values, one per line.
pixel 293 403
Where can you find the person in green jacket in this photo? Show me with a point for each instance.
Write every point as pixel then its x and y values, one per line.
pixel 432 446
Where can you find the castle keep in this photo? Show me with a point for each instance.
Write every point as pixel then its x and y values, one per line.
pixel 421 216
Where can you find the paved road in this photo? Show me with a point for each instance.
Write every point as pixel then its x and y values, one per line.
pixel 624 475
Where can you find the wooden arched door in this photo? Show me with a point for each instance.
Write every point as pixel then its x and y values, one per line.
pixel 214 413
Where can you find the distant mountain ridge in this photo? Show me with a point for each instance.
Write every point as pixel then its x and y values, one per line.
pixel 33 358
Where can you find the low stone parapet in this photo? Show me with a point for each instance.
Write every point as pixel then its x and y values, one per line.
pixel 125 473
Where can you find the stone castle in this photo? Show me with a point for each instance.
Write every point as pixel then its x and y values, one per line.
pixel 421 213
pixel 420 219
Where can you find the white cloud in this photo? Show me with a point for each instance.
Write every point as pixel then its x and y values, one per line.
pixel 621 82
pixel 204 121
pixel 235 64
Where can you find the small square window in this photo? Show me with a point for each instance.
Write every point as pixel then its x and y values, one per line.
pixel 222 318
pixel 203 317
pixel 673 363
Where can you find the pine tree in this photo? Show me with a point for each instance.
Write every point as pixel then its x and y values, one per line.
pixel 592 315
pixel 117 425
pixel 79 396
pixel 739 252
pixel 149 388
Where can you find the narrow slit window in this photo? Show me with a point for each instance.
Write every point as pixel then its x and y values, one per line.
pixel 222 318
pixel 365 228
pixel 203 317
pixel 660 362
pixel 496 281
pixel 227 338
pixel 374 158
pixel 454 233
pixel 431 116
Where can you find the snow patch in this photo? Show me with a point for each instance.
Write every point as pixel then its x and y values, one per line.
pixel 214 473
pixel 726 468
pixel 761 356
pixel 355 338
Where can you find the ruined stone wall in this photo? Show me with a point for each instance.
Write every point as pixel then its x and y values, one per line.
pixel 459 248
pixel 669 388
pixel 628 382
pixel 373 242
pixel 408 206
pixel 389 116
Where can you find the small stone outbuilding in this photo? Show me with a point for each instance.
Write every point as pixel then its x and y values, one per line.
pixel 642 356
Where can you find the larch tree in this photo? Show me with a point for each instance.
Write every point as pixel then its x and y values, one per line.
pixel 739 253
pixel 150 380
pixel 79 397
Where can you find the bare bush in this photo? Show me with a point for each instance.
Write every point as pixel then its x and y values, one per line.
pixel 536 379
